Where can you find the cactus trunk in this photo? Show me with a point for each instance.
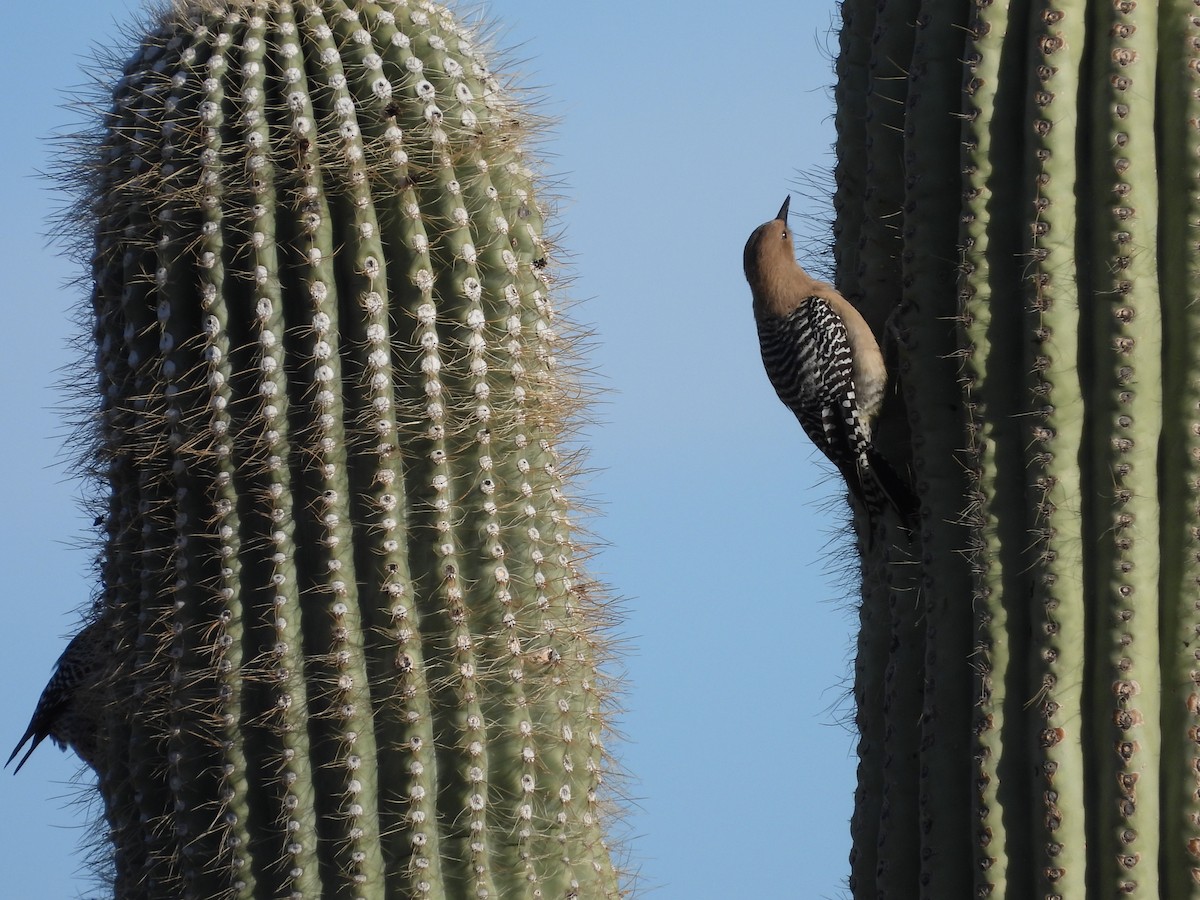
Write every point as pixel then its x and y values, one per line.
pixel 1047 330
pixel 356 652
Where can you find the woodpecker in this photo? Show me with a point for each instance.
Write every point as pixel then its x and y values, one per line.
pixel 68 710
pixel 824 364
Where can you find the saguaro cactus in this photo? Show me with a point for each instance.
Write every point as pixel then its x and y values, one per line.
pixel 355 654
pixel 1046 308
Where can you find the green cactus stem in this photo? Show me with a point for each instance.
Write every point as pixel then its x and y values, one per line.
pixel 1179 218
pixel 1126 400
pixel 357 653
pixel 869 194
pixel 1050 414
pixel 1003 466
pixel 925 325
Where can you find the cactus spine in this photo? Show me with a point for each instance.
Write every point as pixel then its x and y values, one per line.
pixel 1046 316
pixel 356 653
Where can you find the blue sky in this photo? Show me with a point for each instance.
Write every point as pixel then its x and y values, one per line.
pixel 679 133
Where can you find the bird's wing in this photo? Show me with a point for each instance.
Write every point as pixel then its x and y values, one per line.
pixel 808 358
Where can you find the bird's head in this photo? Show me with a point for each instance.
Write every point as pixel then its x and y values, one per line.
pixel 769 252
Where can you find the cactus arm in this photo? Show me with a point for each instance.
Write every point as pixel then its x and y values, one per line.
pixel 1179 243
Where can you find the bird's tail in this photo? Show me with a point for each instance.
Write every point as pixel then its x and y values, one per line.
pixel 30 732
pixel 896 492
pixel 878 486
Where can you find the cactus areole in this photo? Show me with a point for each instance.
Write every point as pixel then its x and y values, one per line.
pixel 355 652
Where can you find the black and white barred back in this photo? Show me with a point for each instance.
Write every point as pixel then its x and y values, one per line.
pixel 808 358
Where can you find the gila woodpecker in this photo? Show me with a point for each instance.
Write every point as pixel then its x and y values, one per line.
pixel 69 709
pixel 824 364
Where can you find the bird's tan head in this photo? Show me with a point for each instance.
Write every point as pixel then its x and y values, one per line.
pixel 769 257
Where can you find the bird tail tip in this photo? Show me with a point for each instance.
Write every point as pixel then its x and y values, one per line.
pixel 896 492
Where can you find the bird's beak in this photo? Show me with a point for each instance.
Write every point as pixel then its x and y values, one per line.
pixel 783 210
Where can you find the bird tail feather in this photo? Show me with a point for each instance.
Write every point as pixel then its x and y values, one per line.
pixel 895 491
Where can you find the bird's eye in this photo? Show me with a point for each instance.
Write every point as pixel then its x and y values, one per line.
pixel 783 234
